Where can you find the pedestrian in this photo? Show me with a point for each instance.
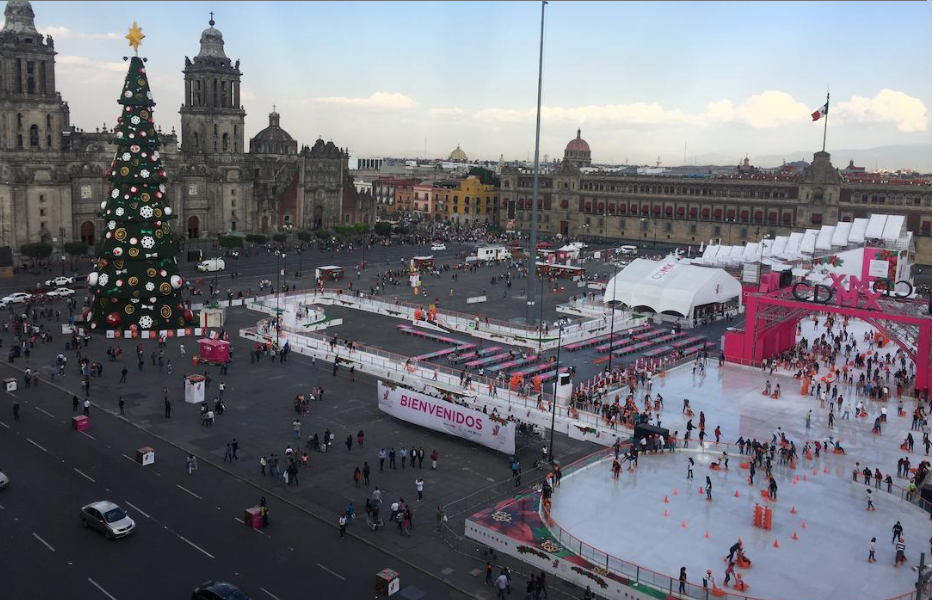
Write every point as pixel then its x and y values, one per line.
pixel 360 438
pixel 16 410
pixel 419 485
pixel 392 458
pixel 382 458
pixel 74 404
pixel 342 524
pixel 366 474
pixel 349 443
pixel 235 445
pixel 420 457
pixel 121 403
pixel 441 517
pixel 262 465
pixel 899 552
pixel 682 579
pixel 502 581
pixel 87 407
pixel 489 580
pixel 122 375
pixel 228 454
pixel 434 459
pixel 357 475
pixel 168 408
pixel 871 551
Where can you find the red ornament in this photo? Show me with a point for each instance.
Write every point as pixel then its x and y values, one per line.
pixel 113 319
pixel 189 316
pixel 134 328
pixel 85 314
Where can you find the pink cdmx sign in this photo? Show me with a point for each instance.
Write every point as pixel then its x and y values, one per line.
pixel 849 295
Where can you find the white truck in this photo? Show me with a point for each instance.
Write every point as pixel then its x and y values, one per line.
pixel 490 253
pixel 211 265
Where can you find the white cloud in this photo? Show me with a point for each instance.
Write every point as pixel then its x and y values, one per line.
pixel 64 32
pixel 83 63
pixel 767 110
pixel 453 114
pixel 376 100
pixel 888 106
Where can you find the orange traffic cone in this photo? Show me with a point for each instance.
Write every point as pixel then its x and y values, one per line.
pixel 665 512
pixel 683 524
pixel 736 493
pixel 675 491
pixel 707 534
pixel 803 525
pixel 776 544
pixel 793 510
pixel 825 470
pixel 666 500
pixel 795 536
pixel 701 491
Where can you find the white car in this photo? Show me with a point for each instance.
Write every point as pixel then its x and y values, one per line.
pixel 59 281
pixel 438 246
pixel 60 292
pixel 17 298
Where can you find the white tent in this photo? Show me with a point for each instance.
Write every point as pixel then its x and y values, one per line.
pixel 671 287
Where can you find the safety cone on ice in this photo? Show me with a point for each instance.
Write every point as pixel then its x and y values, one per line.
pixel 707 534
pixel 793 510
pixel 776 545
pixel 675 491
pixel 666 500
pixel 803 525
pixel 795 536
pixel 701 491
pixel 736 493
pixel 825 470
pixel 665 512
pixel 683 524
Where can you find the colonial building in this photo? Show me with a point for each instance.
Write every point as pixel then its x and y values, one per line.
pixel 51 172
pixel 680 210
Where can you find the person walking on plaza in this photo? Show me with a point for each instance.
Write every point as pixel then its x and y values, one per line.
pixel 366 474
pixel 342 524
pixel 420 457
pixel 419 486
pixel 382 459
pixel 228 454
pixel 392 458
pixel 502 583
pixel 87 407
pixel 403 454
pixel 121 404
pixel 349 443
pixel 168 408
pixel 235 445
pixel 296 428
pixel 434 459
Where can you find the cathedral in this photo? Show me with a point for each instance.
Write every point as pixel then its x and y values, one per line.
pixel 52 173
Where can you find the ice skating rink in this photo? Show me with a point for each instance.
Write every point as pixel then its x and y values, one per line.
pixel 625 518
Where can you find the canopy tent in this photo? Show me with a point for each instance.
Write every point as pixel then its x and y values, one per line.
pixel 670 286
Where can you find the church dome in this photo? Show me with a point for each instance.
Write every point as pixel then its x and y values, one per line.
pixel 19 18
pixel 273 139
pixel 578 144
pixel 458 155
pixel 212 43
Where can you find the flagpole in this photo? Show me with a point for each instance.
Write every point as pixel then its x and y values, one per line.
pixel 826 122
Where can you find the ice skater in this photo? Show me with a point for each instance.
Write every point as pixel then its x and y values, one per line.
pixel 871 551
pixel 709 489
pixel 869 500
pixel 690 468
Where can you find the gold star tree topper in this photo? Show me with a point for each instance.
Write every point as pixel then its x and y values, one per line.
pixel 135 36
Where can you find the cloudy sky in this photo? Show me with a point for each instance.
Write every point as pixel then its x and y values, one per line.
pixel 641 79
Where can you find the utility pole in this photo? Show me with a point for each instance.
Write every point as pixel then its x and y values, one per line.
pixel 533 253
pixel 550 446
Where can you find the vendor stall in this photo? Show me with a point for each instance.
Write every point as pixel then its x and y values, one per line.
pixel 328 273
pixel 422 263
pixel 215 352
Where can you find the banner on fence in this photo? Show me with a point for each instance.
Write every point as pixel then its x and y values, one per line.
pixel 446 417
pixel 476 299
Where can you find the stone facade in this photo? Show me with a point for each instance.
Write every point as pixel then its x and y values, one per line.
pixel 51 173
pixel 682 210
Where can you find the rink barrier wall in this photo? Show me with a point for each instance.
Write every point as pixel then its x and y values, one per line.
pixel 642 575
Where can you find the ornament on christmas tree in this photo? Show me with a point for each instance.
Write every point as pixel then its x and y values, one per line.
pixel 137 254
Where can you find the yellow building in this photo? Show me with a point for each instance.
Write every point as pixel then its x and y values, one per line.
pixel 472 201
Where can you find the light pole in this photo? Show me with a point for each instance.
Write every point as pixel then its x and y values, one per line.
pixel 761 254
pixel 550 446
pixel 61 236
pixel 533 255
pixel 612 321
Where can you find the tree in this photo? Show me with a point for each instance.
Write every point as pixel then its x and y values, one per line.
pixel 322 234
pixel 136 284
pixel 361 228
pixel 36 250
pixel 486 177
pixel 303 236
pixel 279 237
pixel 400 229
pixel 256 238
pixel 382 228
pixel 76 248
pixel 345 230
pixel 230 241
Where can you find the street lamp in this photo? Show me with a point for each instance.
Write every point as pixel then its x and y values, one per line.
pixel 761 254
pixel 612 307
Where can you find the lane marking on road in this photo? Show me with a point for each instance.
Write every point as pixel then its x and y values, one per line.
pixel 271 595
pixel 45 412
pixel 88 435
pixel 85 475
pixel 137 509
pixel 134 461
pixel 195 546
pixel 103 591
pixel 36 445
pixel 44 543
pixel 183 488
pixel 239 519
pixel 338 576
pixel 4 424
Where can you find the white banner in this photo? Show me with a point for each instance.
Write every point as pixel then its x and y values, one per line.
pixel 878 268
pixel 446 417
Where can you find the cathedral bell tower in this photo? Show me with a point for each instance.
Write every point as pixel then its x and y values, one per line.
pixel 32 114
pixel 211 116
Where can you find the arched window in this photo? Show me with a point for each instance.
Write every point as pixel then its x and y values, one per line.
pixel 48 121
pixel 197 141
pixel 225 142
pixel 193 227
pixel 34 136
pixel 19 121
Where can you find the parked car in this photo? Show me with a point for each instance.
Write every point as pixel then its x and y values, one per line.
pixel 17 298
pixel 60 292
pixel 59 281
pixel 211 265
pixel 108 518
pixel 218 590
pixel 438 246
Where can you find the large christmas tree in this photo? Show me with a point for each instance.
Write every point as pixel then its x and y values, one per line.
pixel 136 284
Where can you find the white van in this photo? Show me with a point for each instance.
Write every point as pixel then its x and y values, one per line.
pixel 210 265
pixel 627 250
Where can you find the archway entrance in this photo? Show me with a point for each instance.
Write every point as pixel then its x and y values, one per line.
pixel 318 217
pixel 194 227
pixel 87 233
pixel 264 224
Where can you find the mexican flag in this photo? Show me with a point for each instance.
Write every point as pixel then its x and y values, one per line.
pixel 821 112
